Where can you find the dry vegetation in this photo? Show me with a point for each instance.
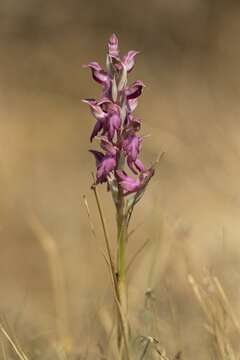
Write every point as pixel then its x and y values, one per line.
pixel 56 297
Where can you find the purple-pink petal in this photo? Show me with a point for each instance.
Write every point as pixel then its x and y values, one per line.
pixel 139 165
pixel 97 128
pixel 132 124
pixel 136 166
pixel 146 176
pixel 104 103
pixel 107 146
pixel 129 60
pixel 99 75
pixel 107 164
pixel 96 109
pixel 136 124
pixel 98 156
pixel 113 124
pixel 128 184
pixel 132 104
pixel 135 90
pixel 131 165
pixel 131 145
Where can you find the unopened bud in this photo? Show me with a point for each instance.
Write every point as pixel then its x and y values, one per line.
pixel 123 79
pixel 114 90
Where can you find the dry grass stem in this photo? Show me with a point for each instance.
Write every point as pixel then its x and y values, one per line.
pixel 219 314
pixel 58 281
pixel 106 236
pixel 89 216
pixel 3 348
pixel 137 253
pixel 16 347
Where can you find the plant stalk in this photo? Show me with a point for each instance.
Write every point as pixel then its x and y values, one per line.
pixel 121 265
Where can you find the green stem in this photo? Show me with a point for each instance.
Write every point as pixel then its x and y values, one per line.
pixel 121 240
pixel 121 266
pixel 121 256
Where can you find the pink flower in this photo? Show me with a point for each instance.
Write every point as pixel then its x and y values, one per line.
pixel 108 147
pixel 105 165
pixel 131 146
pixel 135 90
pixel 99 114
pixel 130 185
pixel 127 183
pixel 115 124
pixel 107 115
pixel 100 76
pixel 129 60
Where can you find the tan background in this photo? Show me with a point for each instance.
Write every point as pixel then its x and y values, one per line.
pixel 189 60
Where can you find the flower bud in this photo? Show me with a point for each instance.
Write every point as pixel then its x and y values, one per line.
pixel 123 79
pixel 114 90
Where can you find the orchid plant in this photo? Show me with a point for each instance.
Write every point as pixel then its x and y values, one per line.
pixel 118 162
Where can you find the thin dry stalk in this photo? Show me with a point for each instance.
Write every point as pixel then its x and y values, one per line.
pixel 137 253
pixel 106 236
pixel 4 353
pixel 218 311
pixel 227 304
pixel 132 232
pixel 58 281
pixel 5 324
pixel 145 350
pixel 198 293
pixel 152 344
pixel 109 325
pixel 16 347
pixel 60 352
pixel 89 217
pixel 93 232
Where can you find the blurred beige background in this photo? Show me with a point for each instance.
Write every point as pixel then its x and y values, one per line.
pixel 189 60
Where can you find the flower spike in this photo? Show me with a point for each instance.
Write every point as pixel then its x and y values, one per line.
pixel 115 125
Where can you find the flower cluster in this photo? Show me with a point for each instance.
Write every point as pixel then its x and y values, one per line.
pixel 116 127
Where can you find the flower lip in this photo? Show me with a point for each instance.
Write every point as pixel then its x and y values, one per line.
pixel 107 146
pixel 99 75
pixel 132 104
pixel 135 90
pixel 96 110
pixel 104 103
pixel 105 165
pixel 131 145
pixel 139 165
pixel 128 184
pixel 112 124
